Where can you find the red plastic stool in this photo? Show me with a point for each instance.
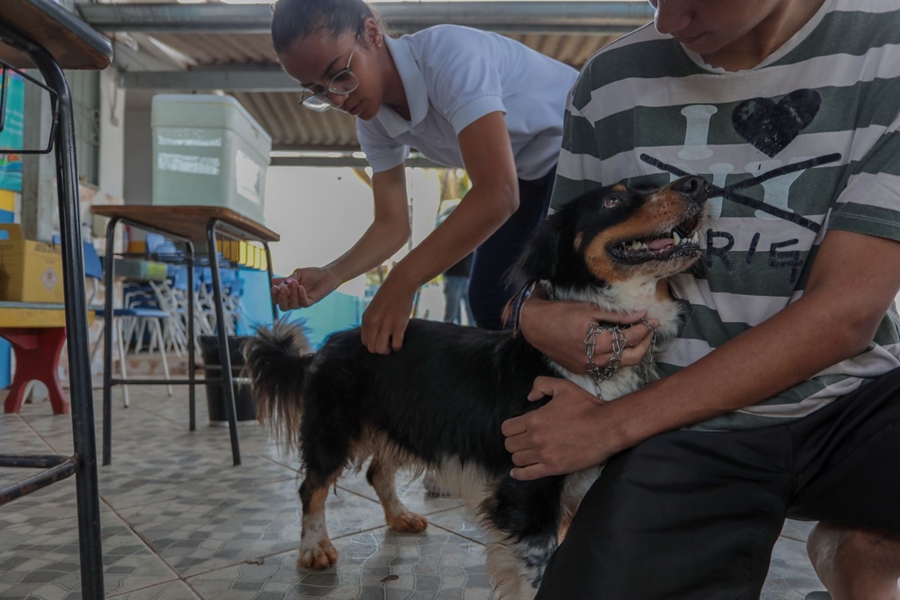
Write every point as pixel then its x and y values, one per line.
pixel 37 358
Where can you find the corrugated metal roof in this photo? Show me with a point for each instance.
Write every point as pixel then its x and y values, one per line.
pixel 294 127
pixel 227 45
pixel 222 48
pixel 209 49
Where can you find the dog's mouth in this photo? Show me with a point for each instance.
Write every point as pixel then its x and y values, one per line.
pixel 682 240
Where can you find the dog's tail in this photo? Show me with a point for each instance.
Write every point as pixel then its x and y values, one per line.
pixel 277 362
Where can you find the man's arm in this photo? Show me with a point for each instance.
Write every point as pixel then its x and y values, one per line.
pixel 852 284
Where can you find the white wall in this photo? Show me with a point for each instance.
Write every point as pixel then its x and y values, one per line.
pixel 111 176
pixel 138 153
pixel 321 212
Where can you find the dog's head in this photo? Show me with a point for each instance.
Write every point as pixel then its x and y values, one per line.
pixel 616 234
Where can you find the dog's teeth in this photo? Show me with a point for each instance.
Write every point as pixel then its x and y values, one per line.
pixel 696 237
pixel 676 237
pixel 644 246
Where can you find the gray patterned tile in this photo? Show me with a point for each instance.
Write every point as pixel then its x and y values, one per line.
pixel 797 530
pixel 377 564
pixel 409 488
pixel 461 522
pixel 171 590
pixel 18 438
pixel 226 527
pixel 791 576
pixel 52 503
pixel 42 561
pixel 158 474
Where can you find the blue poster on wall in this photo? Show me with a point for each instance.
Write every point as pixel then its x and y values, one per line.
pixel 12 105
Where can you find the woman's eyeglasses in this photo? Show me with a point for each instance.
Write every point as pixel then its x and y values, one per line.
pixel 340 85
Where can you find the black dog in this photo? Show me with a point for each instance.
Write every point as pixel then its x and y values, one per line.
pixel 439 402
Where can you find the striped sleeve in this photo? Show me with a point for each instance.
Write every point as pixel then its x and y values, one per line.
pixel 575 160
pixel 870 204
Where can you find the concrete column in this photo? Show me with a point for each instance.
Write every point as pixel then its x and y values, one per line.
pixel 38 210
pixel 112 135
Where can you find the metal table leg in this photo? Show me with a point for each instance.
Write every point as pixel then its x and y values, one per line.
pixel 109 297
pixel 192 375
pixel 271 277
pixel 224 353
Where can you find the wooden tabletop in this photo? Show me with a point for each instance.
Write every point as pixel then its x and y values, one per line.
pixel 189 221
pixel 16 315
pixel 70 40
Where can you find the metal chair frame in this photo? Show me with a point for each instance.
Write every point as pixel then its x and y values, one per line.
pixel 83 463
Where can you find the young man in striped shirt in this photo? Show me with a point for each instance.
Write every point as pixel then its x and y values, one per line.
pixel 782 394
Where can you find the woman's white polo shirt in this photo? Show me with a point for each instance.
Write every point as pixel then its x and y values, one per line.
pixel 455 75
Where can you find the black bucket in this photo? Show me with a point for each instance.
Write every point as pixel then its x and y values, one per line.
pixel 215 393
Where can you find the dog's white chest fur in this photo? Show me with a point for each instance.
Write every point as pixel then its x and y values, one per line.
pixel 623 298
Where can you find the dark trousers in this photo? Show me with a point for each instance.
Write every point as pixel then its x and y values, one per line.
pixel 487 292
pixel 456 296
pixel 694 515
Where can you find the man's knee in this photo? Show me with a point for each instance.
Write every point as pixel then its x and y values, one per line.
pixel 834 543
pixel 851 559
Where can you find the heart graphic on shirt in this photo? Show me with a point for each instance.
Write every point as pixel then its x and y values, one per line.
pixel 770 126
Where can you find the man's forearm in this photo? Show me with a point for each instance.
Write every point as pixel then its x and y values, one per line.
pixel 781 352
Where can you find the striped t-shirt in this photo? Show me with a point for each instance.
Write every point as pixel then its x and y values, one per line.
pixel 805 142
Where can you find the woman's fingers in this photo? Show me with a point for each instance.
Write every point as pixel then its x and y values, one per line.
pixel 397 335
pixel 376 334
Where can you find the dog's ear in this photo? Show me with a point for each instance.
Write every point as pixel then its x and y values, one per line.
pixel 540 259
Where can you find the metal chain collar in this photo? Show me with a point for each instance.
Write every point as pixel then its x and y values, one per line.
pixel 601 374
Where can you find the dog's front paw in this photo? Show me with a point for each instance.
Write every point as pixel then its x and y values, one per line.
pixel 322 556
pixel 408 522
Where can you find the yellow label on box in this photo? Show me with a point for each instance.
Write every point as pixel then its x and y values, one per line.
pixel 29 271
pixel 7 201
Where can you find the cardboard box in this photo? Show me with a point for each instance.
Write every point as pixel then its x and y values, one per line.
pixel 29 271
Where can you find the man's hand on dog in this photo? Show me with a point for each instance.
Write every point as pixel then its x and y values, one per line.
pixel 303 288
pixel 386 318
pixel 558 329
pixel 573 431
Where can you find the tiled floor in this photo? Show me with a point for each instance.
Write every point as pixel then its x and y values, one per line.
pixel 181 523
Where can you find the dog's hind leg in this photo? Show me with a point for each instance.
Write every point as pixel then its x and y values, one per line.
pixel 522 519
pixel 328 431
pixel 381 476
pixel 316 550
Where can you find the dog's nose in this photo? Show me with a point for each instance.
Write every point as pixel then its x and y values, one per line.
pixel 693 186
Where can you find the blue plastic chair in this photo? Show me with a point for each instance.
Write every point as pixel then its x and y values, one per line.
pixel 93 270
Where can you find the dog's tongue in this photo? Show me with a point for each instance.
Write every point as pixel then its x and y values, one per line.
pixel 660 243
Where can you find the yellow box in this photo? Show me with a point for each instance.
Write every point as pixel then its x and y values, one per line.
pixel 29 271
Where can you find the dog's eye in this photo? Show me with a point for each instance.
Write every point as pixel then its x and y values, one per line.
pixel 611 201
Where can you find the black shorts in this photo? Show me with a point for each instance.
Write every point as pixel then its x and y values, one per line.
pixel 695 515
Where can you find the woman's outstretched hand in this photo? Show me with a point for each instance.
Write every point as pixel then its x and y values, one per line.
pixel 303 288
